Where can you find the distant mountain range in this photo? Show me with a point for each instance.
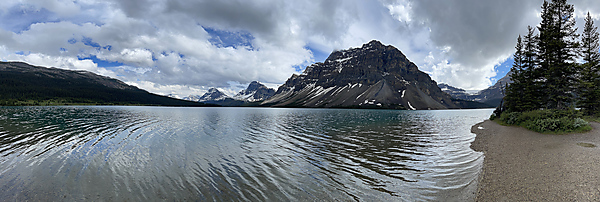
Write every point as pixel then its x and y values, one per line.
pixel 24 84
pixel 213 94
pixel 254 93
pixel 371 76
pixel 490 96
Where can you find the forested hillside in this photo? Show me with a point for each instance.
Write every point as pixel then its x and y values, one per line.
pixel 23 84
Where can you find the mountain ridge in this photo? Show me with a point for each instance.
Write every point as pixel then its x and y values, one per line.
pixel 25 84
pixel 255 92
pixel 490 96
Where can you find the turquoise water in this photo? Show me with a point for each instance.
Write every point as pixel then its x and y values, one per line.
pixel 239 154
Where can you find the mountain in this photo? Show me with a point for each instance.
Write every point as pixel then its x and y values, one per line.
pixel 215 96
pixel 490 96
pixel 24 84
pixel 255 92
pixel 457 93
pixel 212 95
pixel 372 76
pixel 193 98
pixel 494 94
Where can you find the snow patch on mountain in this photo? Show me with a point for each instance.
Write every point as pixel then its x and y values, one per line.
pixel 213 94
pixel 255 92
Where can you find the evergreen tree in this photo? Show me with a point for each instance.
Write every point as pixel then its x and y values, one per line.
pixel 544 47
pixel 589 78
pixel 513 97
pixel 557 48
pixel 524 93
pixel 532 76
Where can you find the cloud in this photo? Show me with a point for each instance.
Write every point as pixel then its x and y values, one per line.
pixel 188 46
pixel 478 35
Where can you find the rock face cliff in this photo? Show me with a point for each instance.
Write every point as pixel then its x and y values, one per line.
pixel 372 76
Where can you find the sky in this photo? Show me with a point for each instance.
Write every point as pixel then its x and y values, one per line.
pixel 185 47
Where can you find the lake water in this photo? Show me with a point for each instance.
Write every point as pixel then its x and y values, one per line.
pixel 237 154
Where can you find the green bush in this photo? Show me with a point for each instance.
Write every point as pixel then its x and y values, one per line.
pixel 544 121
pixel 579 122
pixel 512 118
pixel 543 125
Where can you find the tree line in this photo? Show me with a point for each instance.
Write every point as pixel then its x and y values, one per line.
pixel 555 67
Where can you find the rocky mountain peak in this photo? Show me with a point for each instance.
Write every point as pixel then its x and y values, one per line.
pixel 213 94
pixel 373 44
pixel 373 74
pixel 255 85
pixel 256 91
pixel 372 48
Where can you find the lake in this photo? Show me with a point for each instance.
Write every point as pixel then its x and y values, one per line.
pixel 237 154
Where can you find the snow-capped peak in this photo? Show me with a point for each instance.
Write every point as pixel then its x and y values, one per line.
pixel 255 92
pixel 213 94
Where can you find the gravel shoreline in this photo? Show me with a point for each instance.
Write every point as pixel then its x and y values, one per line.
pixel 521 165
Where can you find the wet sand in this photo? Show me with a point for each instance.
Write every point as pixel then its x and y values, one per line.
pixel 521 165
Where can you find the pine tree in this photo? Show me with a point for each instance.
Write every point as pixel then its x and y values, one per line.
pixel 524 93
pixel 589 80
pixel 532 86
pixel 514 92
pixel 544 47
pixel 557 48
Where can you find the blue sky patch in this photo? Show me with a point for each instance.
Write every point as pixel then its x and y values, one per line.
pixel 502 69
pixel 19 18
pixel 89 42
pixel 318 56
pixel 101 63
pixel 223 38
pixel 22 53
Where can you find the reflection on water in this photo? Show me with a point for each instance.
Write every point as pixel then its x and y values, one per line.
pixel 153 153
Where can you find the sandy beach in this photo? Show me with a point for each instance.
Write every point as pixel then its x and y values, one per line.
pixel 521 165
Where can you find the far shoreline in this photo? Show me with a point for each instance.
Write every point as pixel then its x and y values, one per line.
pixel 243 106
pixel 521 165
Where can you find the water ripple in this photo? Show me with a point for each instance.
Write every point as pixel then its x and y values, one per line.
pixel 239 154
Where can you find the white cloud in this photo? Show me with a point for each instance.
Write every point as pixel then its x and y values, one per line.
pixel 168 46
pixel 401 10
pixel 138 56
pixel 179 91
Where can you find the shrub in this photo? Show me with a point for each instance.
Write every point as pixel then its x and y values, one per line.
pixel 543 121
pixel 511 118
pixel 579 122
pixel 543 125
